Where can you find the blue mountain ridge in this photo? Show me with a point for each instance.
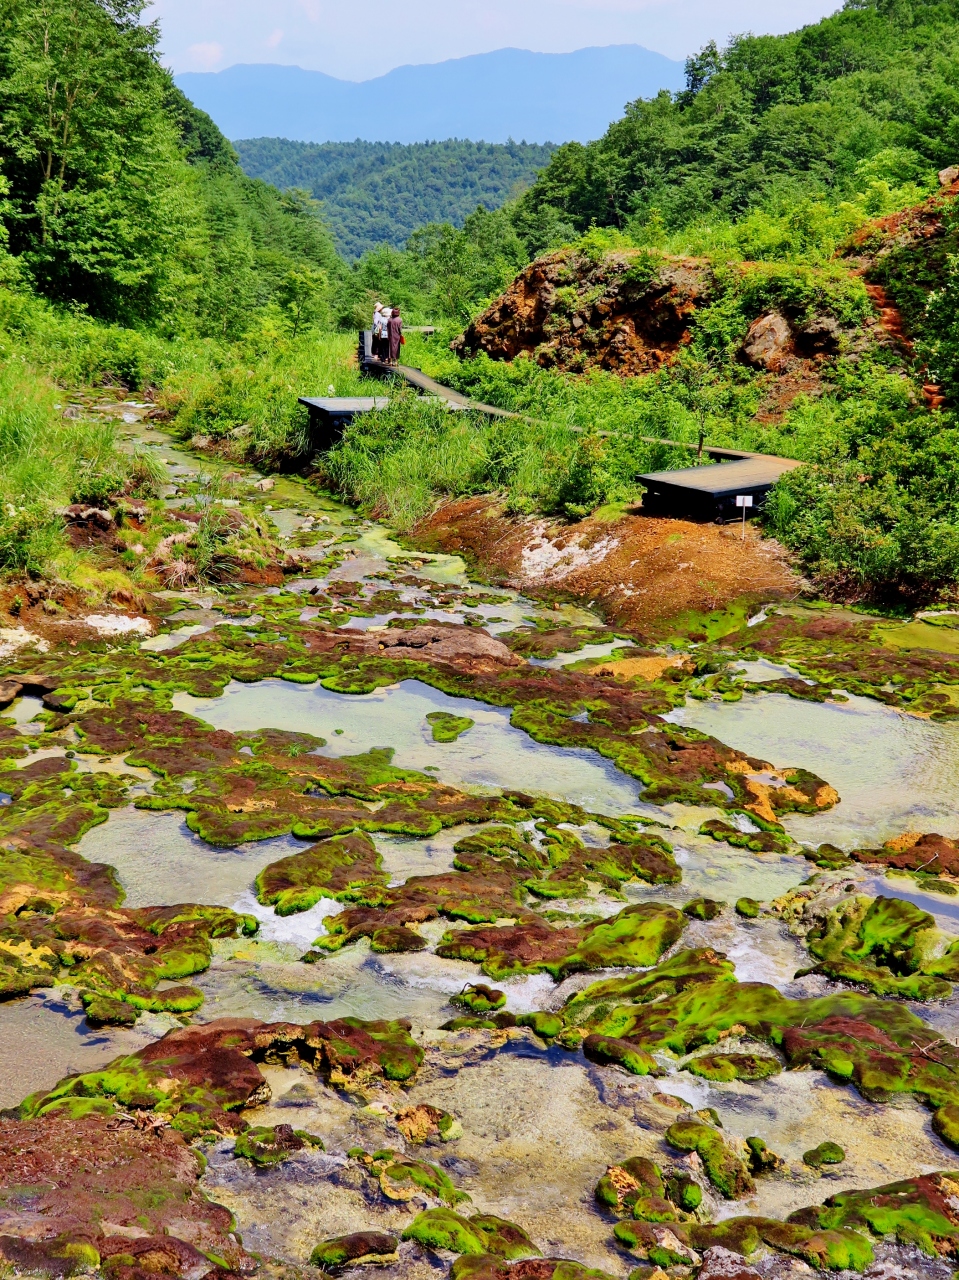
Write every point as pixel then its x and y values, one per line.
pixel 489 97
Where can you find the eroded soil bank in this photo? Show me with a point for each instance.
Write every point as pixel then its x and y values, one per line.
pixel 640 570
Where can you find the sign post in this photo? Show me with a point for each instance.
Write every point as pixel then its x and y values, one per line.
pixel 744 500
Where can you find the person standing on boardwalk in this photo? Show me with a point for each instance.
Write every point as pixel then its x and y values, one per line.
pixel 395 328
pixel 380 316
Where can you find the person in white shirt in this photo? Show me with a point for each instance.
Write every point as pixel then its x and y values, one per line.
pixel 381 316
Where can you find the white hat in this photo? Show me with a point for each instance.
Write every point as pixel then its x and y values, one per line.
pixel 378 307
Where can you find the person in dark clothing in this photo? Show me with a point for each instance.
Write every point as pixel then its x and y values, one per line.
pixel 395 329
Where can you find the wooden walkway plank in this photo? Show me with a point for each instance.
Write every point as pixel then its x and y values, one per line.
pixel 709 490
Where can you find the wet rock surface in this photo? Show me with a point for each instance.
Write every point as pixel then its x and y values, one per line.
pixel 532 1038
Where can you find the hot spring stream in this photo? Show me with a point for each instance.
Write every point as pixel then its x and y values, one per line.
pixel 540 1125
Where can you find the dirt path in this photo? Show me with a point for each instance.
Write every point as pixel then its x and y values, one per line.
pixel 640 570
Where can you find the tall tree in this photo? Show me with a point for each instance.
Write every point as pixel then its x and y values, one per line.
pixel 101 196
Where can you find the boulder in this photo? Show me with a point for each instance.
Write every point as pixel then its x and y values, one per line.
pixel 819 337
pixel 948 176
pixel 768 341
pixel 723 1264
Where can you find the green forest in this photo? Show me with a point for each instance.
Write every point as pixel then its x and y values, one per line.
pixel 136 252
pixel 376 193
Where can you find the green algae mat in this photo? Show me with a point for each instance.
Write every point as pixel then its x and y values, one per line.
pixel 452 1007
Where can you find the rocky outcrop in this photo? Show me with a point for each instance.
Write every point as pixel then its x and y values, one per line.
pixel 904 258
pixel 627 312
pixel 88 1191
pixel 769 339
pixel 776 344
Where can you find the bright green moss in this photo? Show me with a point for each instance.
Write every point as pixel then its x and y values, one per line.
pixel 447 727
pixel 444 1229
pixel 353 1250
pixel 479 998
pixel 620 1053
pixel 825 1153
pixel 684 1192
pixel 546 1025
pixel 703 909
pixel 173 1000
pixel 878 943
pixel 734 1066
pixel 724 1169
pixel 401 1179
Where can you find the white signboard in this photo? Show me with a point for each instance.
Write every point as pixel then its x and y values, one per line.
pixel 744 499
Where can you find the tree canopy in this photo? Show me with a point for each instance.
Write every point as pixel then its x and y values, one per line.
pixel 123 198
pixel 377 193
pixel 769 119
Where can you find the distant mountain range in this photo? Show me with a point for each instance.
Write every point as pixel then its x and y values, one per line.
pixel 489 97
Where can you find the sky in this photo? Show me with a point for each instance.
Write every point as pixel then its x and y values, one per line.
pixel 357 41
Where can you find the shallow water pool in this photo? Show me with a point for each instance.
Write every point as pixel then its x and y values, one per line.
pixel 160 862
pixel 893 772
pixel 491 754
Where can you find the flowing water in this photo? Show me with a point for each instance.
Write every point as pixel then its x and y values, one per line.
pixel 540 1126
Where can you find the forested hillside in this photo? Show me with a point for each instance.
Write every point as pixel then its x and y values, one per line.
pixel 377 193
pixel 800 186
pixel 871 91
pixel 123 199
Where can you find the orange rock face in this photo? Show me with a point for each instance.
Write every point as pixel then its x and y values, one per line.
pixel 572 314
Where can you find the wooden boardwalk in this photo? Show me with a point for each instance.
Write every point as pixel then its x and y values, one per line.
pixel 708 490
pixel 375 368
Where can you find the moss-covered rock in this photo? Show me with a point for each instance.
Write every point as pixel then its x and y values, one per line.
pixel 403 1179
pixel 612 1052
pixel 703 909
pixel 635 1187
pixel 662 1244
pixel 447 727
pixel 748 908
pixel 422 1122
pixel 693 999
pixel 882 944
pixel 919 1211
pixel 199 1077
pixel 725 1170
pixel 503 1238
pixel 761 1159
pixel 636 936
pixel 825 1153
pixel 360 1248
pixel 335 868
pixel 479 998
pixel 684 1192
pixel 84 1172
pixel 734 1066
pixel 945 1122
pixel 761 841
pixel 545 1025
pixel 270 1145
pixel 483 1234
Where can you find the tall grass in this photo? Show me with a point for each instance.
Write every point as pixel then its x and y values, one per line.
pixel 398 463
pixel 247 393
pixel 46 461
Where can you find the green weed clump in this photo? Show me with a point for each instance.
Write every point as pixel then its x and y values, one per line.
pixel 244 395
pixel 47 462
